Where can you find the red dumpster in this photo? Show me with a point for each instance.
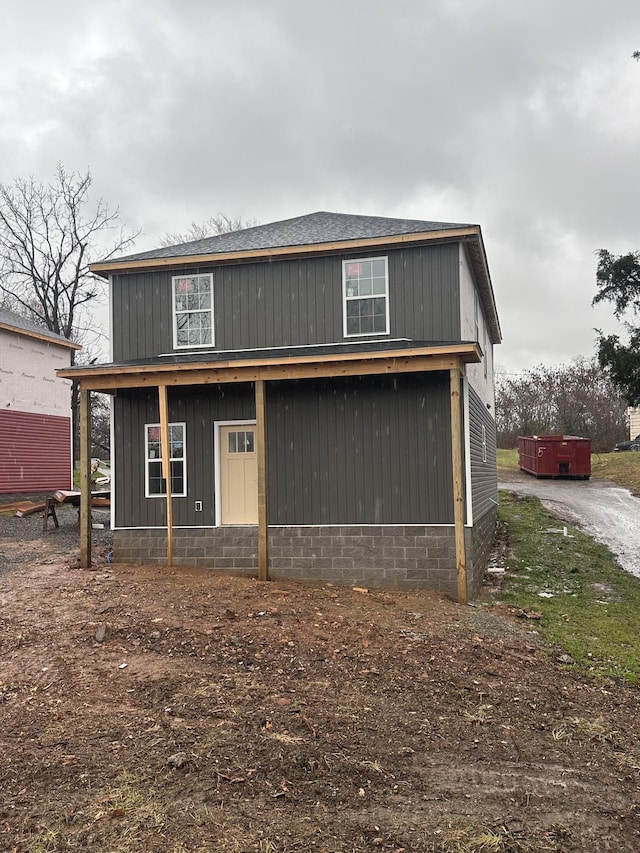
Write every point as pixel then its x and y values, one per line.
pixel 555 456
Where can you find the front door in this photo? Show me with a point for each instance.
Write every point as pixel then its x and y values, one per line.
pixel 238 474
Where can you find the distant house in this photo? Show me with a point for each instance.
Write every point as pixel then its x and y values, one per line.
pixel 35 407
pixel 325 386
pixel 634 422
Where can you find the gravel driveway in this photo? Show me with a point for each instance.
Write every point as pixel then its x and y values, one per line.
pixel 605 511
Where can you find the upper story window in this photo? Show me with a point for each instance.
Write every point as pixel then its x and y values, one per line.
pixel 365 287
pixel 192 310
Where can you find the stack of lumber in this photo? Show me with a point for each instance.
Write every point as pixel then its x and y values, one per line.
pixel 22 508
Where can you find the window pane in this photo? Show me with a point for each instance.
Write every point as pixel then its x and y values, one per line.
pixel 177 477
pixel 380 323
pixel 203 284
pixel 366 325
pixel 353 308
pixel 379 285
pixel 364 288
pixel 249 442
pixel 241 442
pixel 155 478
pixel 232 442
pixel 379 306
pixel 378 268
pixel 176 441
pixel 353 326
pixel 353 270
pixel 365 269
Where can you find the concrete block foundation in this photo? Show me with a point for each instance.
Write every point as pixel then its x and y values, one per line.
pixel 411 557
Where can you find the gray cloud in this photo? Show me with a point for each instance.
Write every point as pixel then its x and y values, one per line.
pixel 522 118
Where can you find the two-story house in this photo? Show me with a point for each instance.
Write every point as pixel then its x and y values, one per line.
pixel 324 386
pixel 35 407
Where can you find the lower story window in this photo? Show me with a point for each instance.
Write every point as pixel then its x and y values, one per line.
pixel 155 485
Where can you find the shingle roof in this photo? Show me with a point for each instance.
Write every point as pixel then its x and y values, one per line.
pixel 9 319
pixel 314 228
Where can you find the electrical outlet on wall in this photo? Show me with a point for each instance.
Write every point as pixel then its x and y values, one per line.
pixel 198 506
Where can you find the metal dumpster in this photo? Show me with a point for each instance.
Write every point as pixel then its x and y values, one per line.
pixel 567 456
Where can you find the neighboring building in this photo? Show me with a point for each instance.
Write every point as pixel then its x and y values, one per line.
pixel 360 331
pixel 35 407
pixel 634 422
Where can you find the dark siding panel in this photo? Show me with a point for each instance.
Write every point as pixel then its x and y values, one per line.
pixel 484 490
pixel 360 451
pixel 198 408
pixel 291 303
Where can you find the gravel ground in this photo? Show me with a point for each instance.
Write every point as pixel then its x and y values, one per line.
pixel 22 540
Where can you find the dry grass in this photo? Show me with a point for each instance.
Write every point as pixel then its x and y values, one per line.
pixel 621 468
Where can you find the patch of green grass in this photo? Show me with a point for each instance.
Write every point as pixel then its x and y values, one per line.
pixel 507 460
pixel 593 609
pixel 622 468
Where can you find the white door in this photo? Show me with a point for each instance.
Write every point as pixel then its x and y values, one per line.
pixel 238 474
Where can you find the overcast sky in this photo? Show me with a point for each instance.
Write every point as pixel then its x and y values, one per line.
pixel 522 117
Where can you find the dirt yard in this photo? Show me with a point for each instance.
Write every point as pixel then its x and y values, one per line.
pixel 148 709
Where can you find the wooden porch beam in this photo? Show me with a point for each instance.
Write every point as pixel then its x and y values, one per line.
pixel 455 375
pixel 213 375
pixel 85 478
pixel 263 497
pixel 166 467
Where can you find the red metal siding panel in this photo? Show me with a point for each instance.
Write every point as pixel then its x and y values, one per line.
pixel 35 452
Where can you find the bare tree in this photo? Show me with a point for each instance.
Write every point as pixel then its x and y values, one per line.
pixel 213 226
pixel 574 399
pixel 49 234
pixel 100 426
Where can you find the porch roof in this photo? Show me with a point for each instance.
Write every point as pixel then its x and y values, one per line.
pixel 303 362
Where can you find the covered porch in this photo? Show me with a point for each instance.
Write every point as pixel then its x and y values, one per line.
pixel 259 368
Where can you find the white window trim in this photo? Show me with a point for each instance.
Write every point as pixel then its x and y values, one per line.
pixel 373 296
pixel 216 462
pixel 182 459
pixel 175 278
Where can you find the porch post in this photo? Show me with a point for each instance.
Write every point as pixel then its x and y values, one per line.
pixel 85 478
pixel 263 504
pixel 458 484
pixel 166 467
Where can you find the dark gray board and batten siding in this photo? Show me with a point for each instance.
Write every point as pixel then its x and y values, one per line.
pixel 484 488
pixel 370 450
pixel 290 302
pixel 360 451
pixel 197 407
